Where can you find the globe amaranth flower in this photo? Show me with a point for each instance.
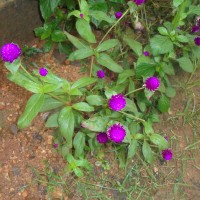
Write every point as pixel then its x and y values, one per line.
pixel 43 71
pixel 167 154
pixel 116 133
pixel 100 74
pixel 152 83
pixel 197 41
pixel 55 145
pixel 117 102
pixel 118 14
pixel 102 138
pixel 195 29
pixel 10 52
pixel 81 15
pixel 139 2
pixel 146 53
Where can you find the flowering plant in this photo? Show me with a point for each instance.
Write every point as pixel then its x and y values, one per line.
pixel 98 109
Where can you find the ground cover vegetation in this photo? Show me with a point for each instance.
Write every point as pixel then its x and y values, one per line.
pixel 127 83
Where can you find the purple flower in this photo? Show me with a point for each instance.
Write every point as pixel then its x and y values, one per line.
pixel 102 138
pixel 146 53
pixel 167 154
pixel 152 83
pixel 100 74
pixel 117 102
pixel 139 2
pixel 43 71
pixel 81 15
pixel 195 29
pixel 197 41
pixel 116 133
pixel 55 145
pixel 10 52
pixel 118 14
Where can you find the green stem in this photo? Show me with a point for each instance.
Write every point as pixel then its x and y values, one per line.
pixel 59 99
pixel 91 66
pixel 114 25
pixel 134 91
pixel 30 76
pixel 132 116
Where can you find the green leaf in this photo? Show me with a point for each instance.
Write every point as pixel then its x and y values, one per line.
pixel 47 7
pixel 78 172
pixel 66 123
pixel 121 155
pixel 145 70
pixel 163 103
pixel 162 30
pixel 96 124
pixel 108 44
pixel 132 148
pixel 32 108
pixel 75 41
pixel 50 103
pixel 84 163
pixel 159 140
pixel 147 152
pixel 79 144
pixel 108 62
pixel 82 82
pixel 81 54
pixel 76 13
pixel 148 129
pixel 95 100
pixel 101 16
pixel 84 7
pixel 58 36
pixel 134 45
pixel 160 45
pixel 50 87
pixel 177 3
pixel 52 121
pixel 168 68
pixel 186 64
pixel 75 92
pixel 14 66
pixel 194 10
pixel 124 76
pixel 82 106
pixel 48 46
pixel 85 31
pixel 170 92
pixel 130 106
pixel 182 38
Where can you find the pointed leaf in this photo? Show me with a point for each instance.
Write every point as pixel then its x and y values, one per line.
pixel 132 148
pixel 147 152
pixel 82 106
pixel 79 144
pixel 101 16
pixel 32 108
pixel 159 140
pixel 108 44
pixel 95 100
pixel 14 66
pixel 52 121
pixel 82 82
pixel 81 54
pixel 186 64
pixel 163 103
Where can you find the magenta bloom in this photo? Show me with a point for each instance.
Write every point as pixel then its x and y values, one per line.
pixel 55 145
pixel 81 15
pixel 100 74
pixel 102 138
pixel 146 53
pixel 117 102
pixel 10 52
pixel 197 41
pixel 139 2
pixel 118 14
pixel 116 133
pixel 152 83
pixel 43 71
pixel 167 154
pixel 195 29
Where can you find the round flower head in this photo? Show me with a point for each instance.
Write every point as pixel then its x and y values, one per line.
pixel 81 15
pixel 10 52
pixel 152 83
pixel 197 41
pixel 195 29
pixel 167 154
pixel 100 74
pixel 146 53
pixel 102 138
pixel 139 2
pixel 117 102
pixel 116 133
pixel 43 71
pixel 55 145
pixel 118 15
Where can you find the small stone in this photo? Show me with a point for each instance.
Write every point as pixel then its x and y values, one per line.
pixel 13 129
pixel 45 116
pixel 25 193
pixel 49 139
pixel 37 136
pixel 16 171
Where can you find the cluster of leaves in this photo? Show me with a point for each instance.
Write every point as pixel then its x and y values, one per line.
pixel 79 109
